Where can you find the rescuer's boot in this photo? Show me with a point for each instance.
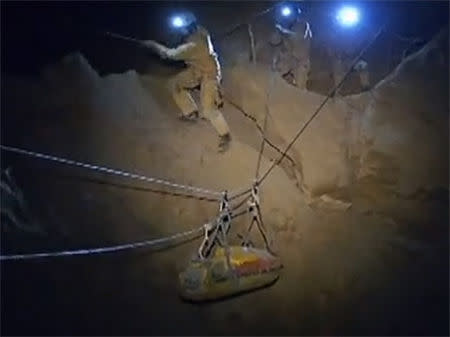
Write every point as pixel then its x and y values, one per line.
pixel 224 142
pixel 191 117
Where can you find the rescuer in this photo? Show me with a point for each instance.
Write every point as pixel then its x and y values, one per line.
pixel 291 40
pixel 203 69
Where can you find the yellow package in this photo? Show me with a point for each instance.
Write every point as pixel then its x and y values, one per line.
pixel 212 278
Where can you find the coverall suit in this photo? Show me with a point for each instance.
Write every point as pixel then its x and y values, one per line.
pixel 292 53
pixel 203 69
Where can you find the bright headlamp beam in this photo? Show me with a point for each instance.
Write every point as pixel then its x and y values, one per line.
pixel 348 16
pixel 286 11
pixel 177 22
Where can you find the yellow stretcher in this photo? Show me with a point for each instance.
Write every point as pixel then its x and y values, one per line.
pixel 212 279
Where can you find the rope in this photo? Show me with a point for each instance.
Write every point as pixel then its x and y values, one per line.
pixel 135 188
pixel 253 17
pixel 332 92
pixel 240 204
pixel 261 150
pixel 253 119
pixel 121 37
pixel 240 194
pixel 234 216
pixel 102 250
pixel 252 43
pixel 109 170
pixel 129 246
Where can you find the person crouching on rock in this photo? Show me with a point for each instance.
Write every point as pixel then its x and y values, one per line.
pixel 203 69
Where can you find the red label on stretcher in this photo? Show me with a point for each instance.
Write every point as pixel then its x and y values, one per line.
pixel 254 267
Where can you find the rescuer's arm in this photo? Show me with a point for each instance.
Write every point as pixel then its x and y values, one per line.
pixel 179 53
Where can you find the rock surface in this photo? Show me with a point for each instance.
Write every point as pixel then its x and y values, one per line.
pixel 397 132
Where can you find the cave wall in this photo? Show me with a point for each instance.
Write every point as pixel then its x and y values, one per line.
pixel 405 125
pixel 398 131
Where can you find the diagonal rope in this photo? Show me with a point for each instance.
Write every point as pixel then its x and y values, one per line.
pixel 332 92
pixel 258 127
pixel 269 90
pixel 261 150
pixel 232 29
pixel 142 189
pixel 240 194
pixel 240 204
pixel 109 170
pixel 102 250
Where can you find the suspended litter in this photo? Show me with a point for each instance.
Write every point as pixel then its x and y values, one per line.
pixel 215 278
pixel 220 270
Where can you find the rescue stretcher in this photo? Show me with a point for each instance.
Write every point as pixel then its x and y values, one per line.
pixel 213 278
